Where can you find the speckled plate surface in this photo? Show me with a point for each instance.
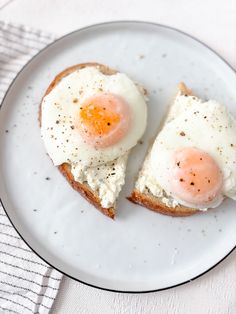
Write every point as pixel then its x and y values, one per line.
pixel 140 250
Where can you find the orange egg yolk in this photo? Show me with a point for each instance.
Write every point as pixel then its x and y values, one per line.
pixel 195 176
pixel 103 120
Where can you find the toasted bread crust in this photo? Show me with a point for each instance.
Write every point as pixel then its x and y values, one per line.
pixel 65 169
pixel 85 191
pixel 184 90
pixel 154 203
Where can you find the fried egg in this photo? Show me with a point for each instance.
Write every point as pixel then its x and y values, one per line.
pixel 193 158
pixel 90 118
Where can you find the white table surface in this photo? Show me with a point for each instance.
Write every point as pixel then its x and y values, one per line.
pixel 213 22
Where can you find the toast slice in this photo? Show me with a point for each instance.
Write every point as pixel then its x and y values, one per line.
pixel 83 187
pixel 146 198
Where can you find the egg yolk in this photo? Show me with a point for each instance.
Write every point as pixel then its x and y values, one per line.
pixel 195 176
pixel 103 120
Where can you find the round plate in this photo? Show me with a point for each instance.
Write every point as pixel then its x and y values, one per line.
pixel 141 250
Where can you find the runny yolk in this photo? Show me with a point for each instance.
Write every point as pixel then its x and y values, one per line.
pixel 195 176
pixel 103 120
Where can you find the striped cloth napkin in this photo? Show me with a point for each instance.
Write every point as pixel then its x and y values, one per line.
pixel 27 284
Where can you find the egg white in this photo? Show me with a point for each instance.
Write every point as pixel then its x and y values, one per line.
pixel 63 142
pixel 207 126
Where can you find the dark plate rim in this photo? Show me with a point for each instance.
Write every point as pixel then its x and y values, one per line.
pixel 16 77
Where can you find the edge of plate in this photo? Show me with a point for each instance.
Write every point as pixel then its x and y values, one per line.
pixel 35 56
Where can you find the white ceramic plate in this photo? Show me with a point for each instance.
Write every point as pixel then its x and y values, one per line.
pixel 140 250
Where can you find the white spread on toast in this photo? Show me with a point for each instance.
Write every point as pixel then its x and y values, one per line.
pixel 147 184
pixel 106 180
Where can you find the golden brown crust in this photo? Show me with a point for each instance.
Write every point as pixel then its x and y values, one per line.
pixel 65 169
pixel 154 203
pixel 184 89
pixel 85 191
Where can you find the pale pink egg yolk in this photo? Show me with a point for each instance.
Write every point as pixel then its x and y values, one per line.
pixel 103 120
pixel 195 176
